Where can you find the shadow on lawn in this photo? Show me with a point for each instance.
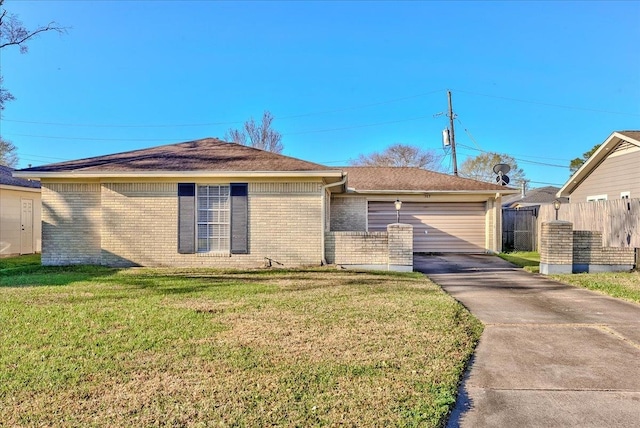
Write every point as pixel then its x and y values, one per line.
pixel 250 283
pixel 185 281
pixel 42 276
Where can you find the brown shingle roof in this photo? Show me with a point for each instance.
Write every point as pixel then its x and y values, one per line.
pixel 367 178
pixel 631 134
pixel 208 154
pixel 540 195
pixel 8 179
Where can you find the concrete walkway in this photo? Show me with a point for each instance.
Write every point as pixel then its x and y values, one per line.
pixel 551 355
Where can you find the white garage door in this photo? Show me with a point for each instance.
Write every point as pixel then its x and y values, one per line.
pixel 451 227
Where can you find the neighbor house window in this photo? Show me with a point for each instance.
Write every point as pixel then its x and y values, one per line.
pixel 596 198
pixel 213 217
pixel 625 195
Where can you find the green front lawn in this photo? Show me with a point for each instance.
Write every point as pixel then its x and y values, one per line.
pixel 529 260
pixel 83 346
pixel 624 285
pixel 13 262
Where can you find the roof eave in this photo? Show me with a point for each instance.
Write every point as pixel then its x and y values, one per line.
pixel 440 192
pixel 592 163
pixel 177 174
pixel 20 188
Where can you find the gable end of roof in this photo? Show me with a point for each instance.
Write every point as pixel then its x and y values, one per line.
pixel 608 146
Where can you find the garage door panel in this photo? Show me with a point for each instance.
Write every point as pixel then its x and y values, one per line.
pixel 450 227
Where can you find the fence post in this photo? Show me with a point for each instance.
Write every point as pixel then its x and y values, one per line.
pixel 556 247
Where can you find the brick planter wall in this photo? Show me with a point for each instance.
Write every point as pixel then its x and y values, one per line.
pixel 556 247
pixel 590 256
pixel 390 250
pixel 563 250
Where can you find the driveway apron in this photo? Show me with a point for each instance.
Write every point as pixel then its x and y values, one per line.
pixel 551 355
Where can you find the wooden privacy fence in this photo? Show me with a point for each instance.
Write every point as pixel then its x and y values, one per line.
pixel 519 229
pixel 618 220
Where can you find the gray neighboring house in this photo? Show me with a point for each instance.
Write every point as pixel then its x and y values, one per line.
pixel 212 203
pixel 612 172
pixel 20 206
pixel 534 198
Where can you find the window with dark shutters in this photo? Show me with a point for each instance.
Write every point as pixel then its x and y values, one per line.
pixel 186 218
pixel 213 218
pixel 239 218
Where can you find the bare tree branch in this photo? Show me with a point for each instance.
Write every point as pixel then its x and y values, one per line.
pixel 481 168
pixel 14 33
pixel 261 136
pixel 400 155
pixel 4 95
pixel 8 153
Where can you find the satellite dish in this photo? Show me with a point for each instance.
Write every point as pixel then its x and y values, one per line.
pixel 501 168
pixel 502 180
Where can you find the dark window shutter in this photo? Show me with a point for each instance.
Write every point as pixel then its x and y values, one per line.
pixel 239 218
pixel 186 218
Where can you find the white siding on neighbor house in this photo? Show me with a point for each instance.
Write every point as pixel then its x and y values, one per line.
pixel 11 233
pixel 619 172
pixel 457 227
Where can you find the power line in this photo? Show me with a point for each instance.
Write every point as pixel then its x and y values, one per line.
pixel 360 106
pixel 357 126
pixel 548 104
pixel 98 139
pixel 469 134
pixel 317 113
pixel 525 156
pixel 517 158
pixel 542 182
pixel 38 156
pixel 120 126
pixel 543 163
pixel 188 139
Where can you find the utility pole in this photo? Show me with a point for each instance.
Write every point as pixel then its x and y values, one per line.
pixel 452 136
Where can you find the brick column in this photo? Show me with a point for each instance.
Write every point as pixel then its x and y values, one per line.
pixel 400 247
pixel 556 247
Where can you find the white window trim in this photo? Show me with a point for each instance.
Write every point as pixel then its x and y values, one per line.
pixel 625 195
pixel 596 198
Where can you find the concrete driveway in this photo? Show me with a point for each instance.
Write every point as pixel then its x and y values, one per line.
pixel 551 355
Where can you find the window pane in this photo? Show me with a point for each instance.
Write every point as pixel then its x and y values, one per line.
pixel 213 218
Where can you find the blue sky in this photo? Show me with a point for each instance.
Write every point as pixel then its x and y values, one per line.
pixel 542 81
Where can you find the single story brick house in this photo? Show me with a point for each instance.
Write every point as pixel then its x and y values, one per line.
pixel 212 203
pixel 19 214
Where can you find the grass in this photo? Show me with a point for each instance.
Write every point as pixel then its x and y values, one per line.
pixel 14 262
pixel 93 346
pixel 528 260
pixel 623 285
